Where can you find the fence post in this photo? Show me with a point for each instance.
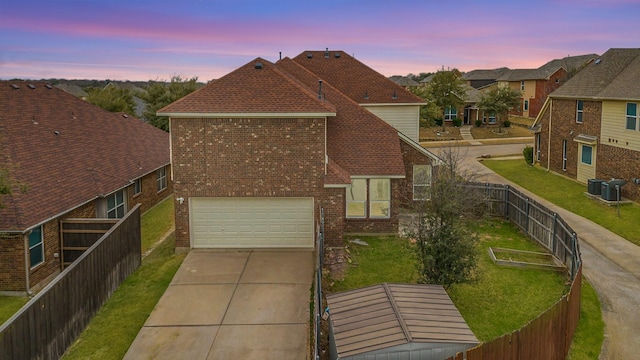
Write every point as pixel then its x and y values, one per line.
pixel 574 256
pixel 506 201
pixel 527 215
pixel 554 242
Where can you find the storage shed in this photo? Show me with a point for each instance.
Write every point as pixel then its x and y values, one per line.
pixel 396 321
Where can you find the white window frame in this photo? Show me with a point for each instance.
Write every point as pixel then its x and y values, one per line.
pixel 39 244
pixel 422 184
pixel 632 117
pixel 137 186
pixel 579 111
pixel 584 146
pixel 564 154
pixel 526 105
pixel 355 198
pixel 112 213
pixel 161 179
pixel 450 112
pixel 538 144
pixel 378 200
pixel 521 85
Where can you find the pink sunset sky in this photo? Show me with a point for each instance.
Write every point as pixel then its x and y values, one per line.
pixel 156 39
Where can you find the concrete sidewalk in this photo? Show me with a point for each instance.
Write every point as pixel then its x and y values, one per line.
pixel 232 305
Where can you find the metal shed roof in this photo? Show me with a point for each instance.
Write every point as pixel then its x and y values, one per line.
pixel 388 315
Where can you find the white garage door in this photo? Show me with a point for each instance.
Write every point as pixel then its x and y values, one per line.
pixel 251 222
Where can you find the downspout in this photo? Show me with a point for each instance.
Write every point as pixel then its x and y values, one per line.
pixel 549 141
pixel 27 269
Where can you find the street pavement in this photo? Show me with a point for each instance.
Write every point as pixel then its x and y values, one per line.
pixel 611 264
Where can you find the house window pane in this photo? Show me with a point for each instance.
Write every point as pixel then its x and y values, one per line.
pixel 632 116
pixel 522 85
pixel 380 198
pixel 356 198
pixel 564 155
pixel 579 110
pixel 587 152
pixel 162 179
pixel 137 187
pixel 421 182
pixel 526 105
pixel 116 205
pixel 36 247
pixel 450 113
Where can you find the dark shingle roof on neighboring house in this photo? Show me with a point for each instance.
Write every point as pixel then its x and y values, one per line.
pixel 614 75
pixel 485 74
pixel 355 79
pixel 403 81
pixel 68 152
pixel 568 63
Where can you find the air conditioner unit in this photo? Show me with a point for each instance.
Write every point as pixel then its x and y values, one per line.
pixel 610 191
pixel 594 186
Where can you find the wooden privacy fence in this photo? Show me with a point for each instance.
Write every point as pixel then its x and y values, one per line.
pixel 548 336
pixel 317 302
pixel 52 320
pixel 78 235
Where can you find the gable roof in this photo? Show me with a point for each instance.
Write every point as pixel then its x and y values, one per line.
pixel 545 71
pixel 386 315
pixel 258 87
pixel 358 141
pixel 67 151
pixel 613 76
pixel 485 74
pixel 403 81
pixel 355 79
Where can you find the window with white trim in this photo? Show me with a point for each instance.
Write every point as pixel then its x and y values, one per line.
pixel 421 182
pixel 450 113
pixel 137 186
pixel 587 154
pixel 632 117
pixel 116 205
pixel 357 199
pixel 379 198
pixel 564 155
pixel 36 247
pixel 579 111
pixel 522 85
pixel 526 105
pixel 161 178
pixel 538 144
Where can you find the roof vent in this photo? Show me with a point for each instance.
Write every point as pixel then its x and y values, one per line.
pixel 326 53
pixel 309 55
pixel 394 96
pixel 31 86
pixel 258 65
pixel 598 61
pixel 366 94
pixel 125 116
pixel 57 132
pixel 337 55
pixel 15 86
pixel 48 86
pixel 320 89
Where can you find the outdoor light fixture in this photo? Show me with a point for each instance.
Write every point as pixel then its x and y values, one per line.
pixel 180 200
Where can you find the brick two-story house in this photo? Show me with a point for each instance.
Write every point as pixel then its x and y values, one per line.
pixel 260 153
pixel 71 159
pixel 589 128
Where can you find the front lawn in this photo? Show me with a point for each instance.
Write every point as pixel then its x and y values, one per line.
pixel 569 195
pixel 9 305
pixel 156 222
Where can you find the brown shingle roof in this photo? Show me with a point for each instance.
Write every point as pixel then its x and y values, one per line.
pixel 355 79
pixel 67 151
pixel 252 89
pixel 614 75
pixel 358 141
pixel 386 315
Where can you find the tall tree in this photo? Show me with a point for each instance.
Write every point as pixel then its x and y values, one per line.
pixel 162 94
pixel 498 101
pixel 112 98
pixel 446 90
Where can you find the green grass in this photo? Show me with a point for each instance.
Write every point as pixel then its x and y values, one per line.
pixel 502 299
pixel 9 305
pixel 156 222
pixel 569 195
pixel 115 326
pixel 386 259
pixel 113 329
pixel 587 341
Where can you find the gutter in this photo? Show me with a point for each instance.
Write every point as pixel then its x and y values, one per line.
pixel 27 269
pixel 549 141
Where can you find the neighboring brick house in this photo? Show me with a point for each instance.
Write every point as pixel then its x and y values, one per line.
pixel 76 161
pixel 536 84
pixel 589 128
pixel 259 152
pixel 482 78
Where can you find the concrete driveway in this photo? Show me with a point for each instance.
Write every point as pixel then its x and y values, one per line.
pixel 232 305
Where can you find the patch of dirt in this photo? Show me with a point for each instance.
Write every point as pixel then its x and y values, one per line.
pixel 436 133
pixel 493 132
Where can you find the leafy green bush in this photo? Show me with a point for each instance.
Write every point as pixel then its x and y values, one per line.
pixel 506 123
pixel 457 122
pixel 528 154
pixel 478 123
